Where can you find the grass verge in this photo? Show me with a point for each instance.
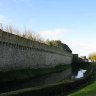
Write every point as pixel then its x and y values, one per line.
pixel 56 89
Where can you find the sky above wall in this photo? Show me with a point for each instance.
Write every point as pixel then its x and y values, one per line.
pixel 71 21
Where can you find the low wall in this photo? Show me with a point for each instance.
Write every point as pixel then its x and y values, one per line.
pixel 19 53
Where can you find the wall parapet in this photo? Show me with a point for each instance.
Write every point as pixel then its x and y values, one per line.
pixel 23 43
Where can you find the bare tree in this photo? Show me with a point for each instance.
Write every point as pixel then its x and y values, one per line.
pixel 1 26
pixel 32 36
pixel 29 34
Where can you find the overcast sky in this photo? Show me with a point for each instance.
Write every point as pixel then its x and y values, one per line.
pixel 71 21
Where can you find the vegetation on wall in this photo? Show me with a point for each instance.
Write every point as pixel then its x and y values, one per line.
pixel 29 34
pixel 26 33
pixel 59 44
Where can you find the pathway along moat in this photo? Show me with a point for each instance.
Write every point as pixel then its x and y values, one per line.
pixel 43 80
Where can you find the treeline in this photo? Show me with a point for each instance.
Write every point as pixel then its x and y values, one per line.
pixel 92 57
pixel 29 34
pixel 59 44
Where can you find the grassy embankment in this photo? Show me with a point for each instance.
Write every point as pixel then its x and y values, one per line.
pixel 16 75
pixel 89 90
pixel 49 90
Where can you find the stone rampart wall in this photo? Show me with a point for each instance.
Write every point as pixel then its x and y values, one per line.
pixel 19 53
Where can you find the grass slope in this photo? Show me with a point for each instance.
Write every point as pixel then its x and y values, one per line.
pixel 30 73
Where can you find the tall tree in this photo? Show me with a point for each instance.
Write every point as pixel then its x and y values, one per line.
pixel 92 57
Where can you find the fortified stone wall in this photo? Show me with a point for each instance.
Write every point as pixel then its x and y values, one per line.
pixel 19 53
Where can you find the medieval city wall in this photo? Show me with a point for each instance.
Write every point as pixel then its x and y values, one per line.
pixel 19 53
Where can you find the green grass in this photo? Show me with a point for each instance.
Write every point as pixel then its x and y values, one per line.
pixel 89 90
pixel 15 75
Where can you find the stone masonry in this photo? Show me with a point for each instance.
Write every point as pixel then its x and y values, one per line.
pixel 19 53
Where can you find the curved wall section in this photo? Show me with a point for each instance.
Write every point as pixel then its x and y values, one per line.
pixel 19 53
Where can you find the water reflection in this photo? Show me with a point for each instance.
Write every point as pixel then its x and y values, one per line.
pixel 80 74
